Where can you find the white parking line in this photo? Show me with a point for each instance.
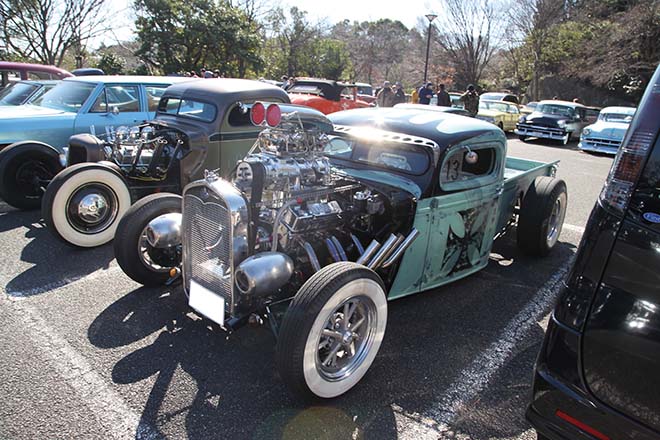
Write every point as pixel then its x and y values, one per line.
pixel 436 421
pixel 119 420
pixel 574 228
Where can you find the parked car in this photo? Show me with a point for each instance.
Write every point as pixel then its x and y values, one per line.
pixel 25 92
pixel 199 125
pixel 33 136
pixel 87 71
pixel 554 119
pixel 500 113
pixel 528 108
pixel 597 375
pixel 365 92
pixel 434 108
pixel 606 134
pixel 499 96
pixel 13 72
pixel 325 95
pixel 328 218
pixel 591 114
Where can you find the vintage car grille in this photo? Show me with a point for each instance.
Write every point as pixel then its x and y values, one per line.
pixel 541 129
pixel 601 143
pixel 207 243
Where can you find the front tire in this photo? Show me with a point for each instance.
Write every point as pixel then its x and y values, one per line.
pixel 542 216
pixel 83 204
pixel 332 331
pixel 25 168
pixel 522 138
pixel 138 260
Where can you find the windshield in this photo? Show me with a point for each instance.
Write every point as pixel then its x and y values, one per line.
pixel 17 93
pixel 68 96
pixel 389 155
pixel 489 105
pixel 555 109
pixel 365 90
pixel 615 117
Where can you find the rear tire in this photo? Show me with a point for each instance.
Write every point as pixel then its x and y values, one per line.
pixel 25 168
pixel 341 309
pixel 84 203
pixel 134 255
pixel 542 216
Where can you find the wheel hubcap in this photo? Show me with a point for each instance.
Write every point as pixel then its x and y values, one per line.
pixel 346 338
pixel 157 260
pixel 92 208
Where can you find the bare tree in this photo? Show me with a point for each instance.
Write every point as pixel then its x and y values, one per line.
pixel 468 31
pixel 532 22
pixel 45 30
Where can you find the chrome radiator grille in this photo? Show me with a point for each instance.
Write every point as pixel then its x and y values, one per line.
pixel 207 238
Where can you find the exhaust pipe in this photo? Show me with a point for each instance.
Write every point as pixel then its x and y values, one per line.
pixel 402 248
pixel 368 252
pixel 384 252
pixel 263 273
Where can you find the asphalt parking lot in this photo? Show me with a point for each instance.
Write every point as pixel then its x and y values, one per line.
pixel 87 353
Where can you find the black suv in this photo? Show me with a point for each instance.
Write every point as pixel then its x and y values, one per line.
pixel 598 373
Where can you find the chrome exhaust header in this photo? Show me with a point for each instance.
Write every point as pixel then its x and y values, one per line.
pixel 402 248
pixel 368 252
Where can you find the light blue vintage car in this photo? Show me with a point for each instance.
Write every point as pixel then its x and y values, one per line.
pixel 606 134
pixel 33 136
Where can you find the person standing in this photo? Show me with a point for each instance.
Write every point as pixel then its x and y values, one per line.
pixel 444 99
pixel 470 100
pixel 426 93
pixel 414 96
pixel 385 97
pixel 399 94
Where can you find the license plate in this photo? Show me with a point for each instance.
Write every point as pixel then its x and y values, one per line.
pixel 207 303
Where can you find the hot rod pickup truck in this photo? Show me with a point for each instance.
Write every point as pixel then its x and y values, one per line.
pixel 326 219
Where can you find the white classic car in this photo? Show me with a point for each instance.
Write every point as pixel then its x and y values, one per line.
pixel 606 134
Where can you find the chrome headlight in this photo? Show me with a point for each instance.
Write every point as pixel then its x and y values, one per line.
pixel 586 132
pixel 561 124
pixel 521 119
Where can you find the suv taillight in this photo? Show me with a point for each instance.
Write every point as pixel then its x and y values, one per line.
pixel 634 150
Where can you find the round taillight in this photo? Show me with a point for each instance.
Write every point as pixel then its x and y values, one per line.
pixel 258 113
pixel 273 115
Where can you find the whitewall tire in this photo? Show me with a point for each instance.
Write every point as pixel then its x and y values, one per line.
pixel 84 203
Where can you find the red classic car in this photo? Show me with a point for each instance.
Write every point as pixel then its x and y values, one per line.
pixel 324 95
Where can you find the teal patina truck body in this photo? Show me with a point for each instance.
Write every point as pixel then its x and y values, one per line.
pixel 458 213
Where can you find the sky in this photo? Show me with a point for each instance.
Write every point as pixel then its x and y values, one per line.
pixel 406 11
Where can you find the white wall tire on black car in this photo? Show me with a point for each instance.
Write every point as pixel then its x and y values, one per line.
pixel 83 204
pixel 332 331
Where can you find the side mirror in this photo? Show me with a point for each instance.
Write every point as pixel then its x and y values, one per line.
pixel 115 110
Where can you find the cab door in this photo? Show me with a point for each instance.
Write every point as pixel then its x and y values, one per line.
pixel 114 105
pixel 458 225
pixel 464 216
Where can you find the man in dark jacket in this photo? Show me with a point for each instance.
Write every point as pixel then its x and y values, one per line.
pixel 399 94
pixel 470 100
pixel 426 93
pixel 443 97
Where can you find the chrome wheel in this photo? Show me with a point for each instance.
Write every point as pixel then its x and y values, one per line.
pixel 556 220
pixel 92 208
pixel 346 338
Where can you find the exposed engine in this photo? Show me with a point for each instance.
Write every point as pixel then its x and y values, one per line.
pixel 144 152
pixel 304 209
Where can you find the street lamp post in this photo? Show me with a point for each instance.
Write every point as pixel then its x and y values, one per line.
pixel 430 17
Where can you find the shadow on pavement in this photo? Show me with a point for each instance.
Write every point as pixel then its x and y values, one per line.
pixel 430 338
pixel 55 264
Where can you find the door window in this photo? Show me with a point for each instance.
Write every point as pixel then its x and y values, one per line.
pixel 153 96
pixel 124 98
pixel 467 167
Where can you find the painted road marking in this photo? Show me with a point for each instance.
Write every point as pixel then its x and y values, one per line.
pixel 119 420
pixel 436 421
pixel 573 228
